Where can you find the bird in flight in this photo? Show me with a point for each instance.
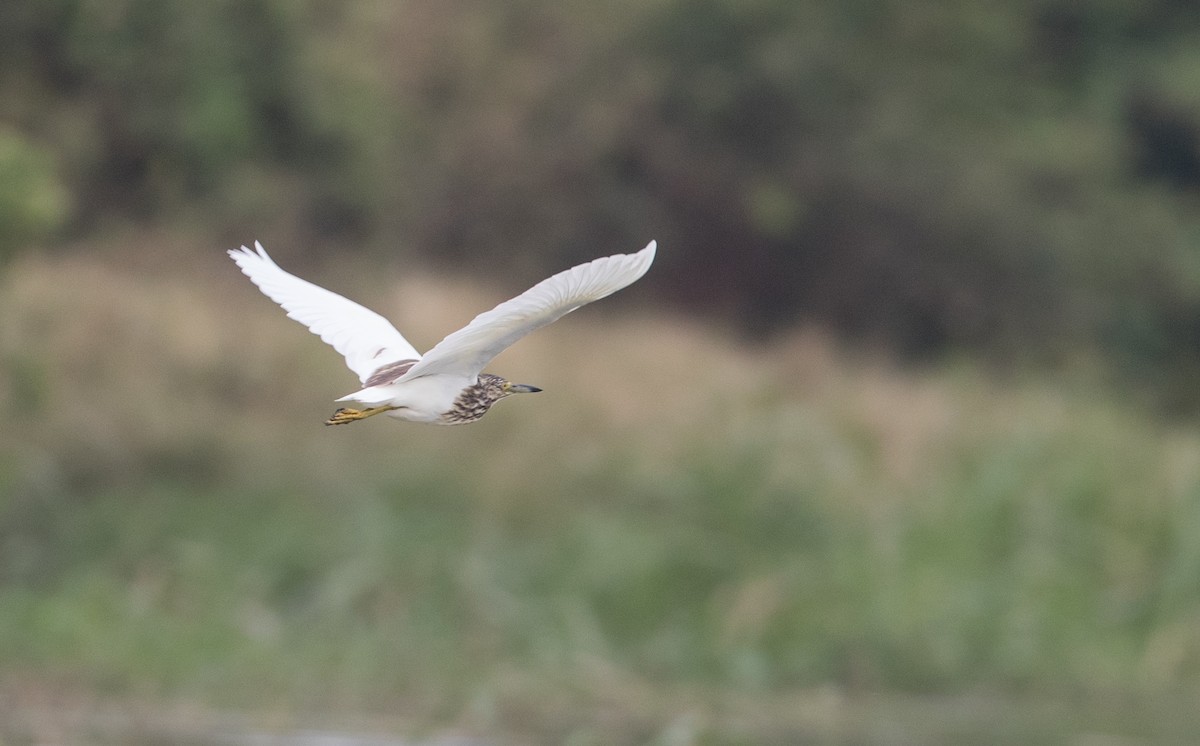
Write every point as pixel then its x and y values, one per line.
pixel 446 386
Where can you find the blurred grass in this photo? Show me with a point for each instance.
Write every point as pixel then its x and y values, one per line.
pixel 683 538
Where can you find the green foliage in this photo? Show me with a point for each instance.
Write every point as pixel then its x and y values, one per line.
pixel 1017 182
pixel 33 202
pixel 931 177
pixel 1048 561
pixel 153 105
pixel 175 523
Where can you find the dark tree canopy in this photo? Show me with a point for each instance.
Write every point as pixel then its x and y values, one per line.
pixel 1016 180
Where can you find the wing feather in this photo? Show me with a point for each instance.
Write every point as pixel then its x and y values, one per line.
pixel 366 339
pixel 468 350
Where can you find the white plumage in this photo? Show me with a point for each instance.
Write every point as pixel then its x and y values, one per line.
pixel 445 385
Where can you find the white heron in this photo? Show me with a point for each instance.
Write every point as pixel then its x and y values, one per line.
pixel 447 385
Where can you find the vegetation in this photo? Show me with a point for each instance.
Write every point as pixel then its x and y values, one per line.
pixel 925 176
pixel 681 533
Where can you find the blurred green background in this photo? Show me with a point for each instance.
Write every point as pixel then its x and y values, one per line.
pixel 896 444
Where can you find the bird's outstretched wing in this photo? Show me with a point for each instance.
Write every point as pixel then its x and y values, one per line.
pixel 363 337
pixel 467 350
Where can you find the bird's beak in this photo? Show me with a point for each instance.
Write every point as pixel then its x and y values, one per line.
pixel 522 388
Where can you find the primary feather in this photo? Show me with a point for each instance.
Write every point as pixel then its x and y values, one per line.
pixel 468 350
pixel 366 339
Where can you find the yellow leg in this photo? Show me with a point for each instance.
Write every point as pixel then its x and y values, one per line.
pixel 345 416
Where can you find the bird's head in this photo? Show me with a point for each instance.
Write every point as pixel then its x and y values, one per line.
pixel 475 401
pixel 508 387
